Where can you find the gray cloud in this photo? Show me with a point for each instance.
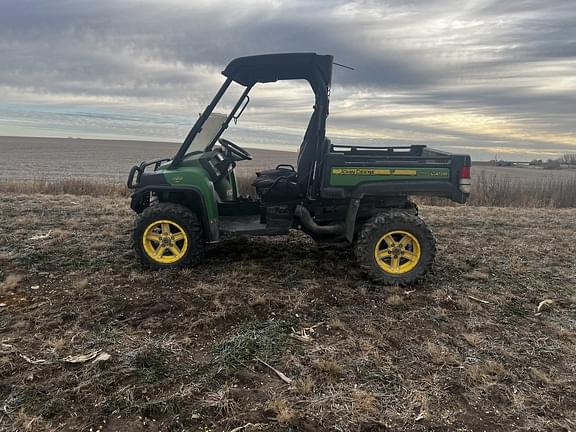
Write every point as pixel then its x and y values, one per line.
pixel 492 64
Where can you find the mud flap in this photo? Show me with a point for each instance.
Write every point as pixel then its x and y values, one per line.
pixel 351 218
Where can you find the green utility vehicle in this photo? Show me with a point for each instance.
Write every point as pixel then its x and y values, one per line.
pixel 335 193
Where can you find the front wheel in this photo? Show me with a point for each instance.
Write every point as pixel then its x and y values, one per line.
pixel 395 248
pixel 168 236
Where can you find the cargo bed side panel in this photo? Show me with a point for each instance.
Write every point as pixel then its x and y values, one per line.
pixel 389 172
pixel 353 176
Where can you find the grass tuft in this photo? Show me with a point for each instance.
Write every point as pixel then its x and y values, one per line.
pixel 10 283
pixel 364 402
pixel 305 385
pixel 394 300
pixel 150 363
pixel 330 367
pixel 474 339
pixel 336 324
pixel 221 401
pixel 441 355
pixel 488 372
pixel 82 284
pixel 284 412
pixel 255 339
pixel 540 376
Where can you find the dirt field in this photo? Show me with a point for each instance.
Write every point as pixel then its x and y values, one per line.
pixel 54 158
pixel 465 350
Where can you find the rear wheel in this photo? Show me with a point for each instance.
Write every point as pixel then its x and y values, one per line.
pixel 168 236
pixel 395 248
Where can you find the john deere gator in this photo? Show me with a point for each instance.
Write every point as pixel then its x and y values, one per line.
pixel 358 194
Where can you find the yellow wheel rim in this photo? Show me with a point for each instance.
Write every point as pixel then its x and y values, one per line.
pixel 165 242
pixel 397 252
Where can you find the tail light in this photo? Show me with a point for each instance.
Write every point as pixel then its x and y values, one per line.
pixel 464 179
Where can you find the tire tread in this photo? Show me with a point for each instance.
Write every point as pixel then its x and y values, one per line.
pixel 193 229
pixel 364 249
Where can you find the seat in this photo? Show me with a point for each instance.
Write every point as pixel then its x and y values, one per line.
pixel 282 170
pixel 278 188
pixel 283 182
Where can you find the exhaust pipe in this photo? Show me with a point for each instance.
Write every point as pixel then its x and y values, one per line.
pixel 310 224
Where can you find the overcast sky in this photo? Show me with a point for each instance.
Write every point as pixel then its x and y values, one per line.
pixel 482 77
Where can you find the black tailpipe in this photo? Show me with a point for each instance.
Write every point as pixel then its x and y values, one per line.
pixel 311 225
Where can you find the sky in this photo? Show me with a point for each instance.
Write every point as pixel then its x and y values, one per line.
pixel 490 78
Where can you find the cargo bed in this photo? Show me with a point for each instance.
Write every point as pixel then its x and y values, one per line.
pixel 355 171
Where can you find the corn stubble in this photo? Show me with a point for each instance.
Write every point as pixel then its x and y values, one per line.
pixel 463 350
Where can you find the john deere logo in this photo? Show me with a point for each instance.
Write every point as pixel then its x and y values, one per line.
pixel 373 171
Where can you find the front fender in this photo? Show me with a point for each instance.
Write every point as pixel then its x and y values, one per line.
pixel 189 196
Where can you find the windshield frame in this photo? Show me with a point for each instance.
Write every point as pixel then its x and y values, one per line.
pixel 183 151
pixel 210 128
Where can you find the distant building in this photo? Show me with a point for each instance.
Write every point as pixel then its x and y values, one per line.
pixel 501 163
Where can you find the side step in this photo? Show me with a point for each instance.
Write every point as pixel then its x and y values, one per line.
pixel 248 225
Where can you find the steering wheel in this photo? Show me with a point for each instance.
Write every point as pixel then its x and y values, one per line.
pixel 235 149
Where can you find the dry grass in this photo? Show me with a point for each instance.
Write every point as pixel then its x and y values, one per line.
pixel 508 192
pixel 221 401
pixel 394 300
pixel 330 367
pixel 441 355
pixel 183 343
pixel 365 403
pixel 67 186
pixel 10 283
pixel 57 344
pixel 500 190
pixel 284 413
pixel 104 171
pixel 305 385
pixel 336 324
pixel 474 339
pixel 488 189
pixel 82 284
pixel 540 376
pixel 487 372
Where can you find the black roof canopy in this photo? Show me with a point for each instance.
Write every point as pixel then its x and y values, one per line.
pixel 247 71
pixel 274 67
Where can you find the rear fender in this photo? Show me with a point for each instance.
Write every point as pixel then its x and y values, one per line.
pixel 354 207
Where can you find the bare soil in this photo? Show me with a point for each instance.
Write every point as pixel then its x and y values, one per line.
pixel 54 158
pixel 464 350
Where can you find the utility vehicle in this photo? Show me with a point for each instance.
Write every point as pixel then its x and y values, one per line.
pixel 335 193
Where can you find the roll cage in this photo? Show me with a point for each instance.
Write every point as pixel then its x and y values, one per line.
pixel 248 71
